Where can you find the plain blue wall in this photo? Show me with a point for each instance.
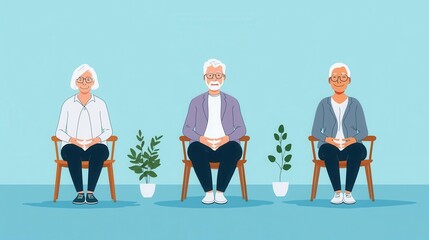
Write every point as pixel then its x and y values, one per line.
pixel 149 57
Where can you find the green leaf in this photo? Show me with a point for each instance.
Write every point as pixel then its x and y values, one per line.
pixel 145 174
pixel 271 158
pixel 276 136
pixel 144 165
pixel 152 173
pixel 146 155
pixel 284 136
pixel 133 152
pixel 138 147
pixel 281 128
pixel 131 156
pixel 279 149
pixel 135 162
pixel 286 167
pixel 158 137
pixel 141 177
pixel 152 143
pixel 288 147
pixel 140 133
pixel 136 169
pixel 288 158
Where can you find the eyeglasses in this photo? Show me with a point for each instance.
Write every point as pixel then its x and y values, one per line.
pixel 215 75
pixel 86 79
pixel 341 78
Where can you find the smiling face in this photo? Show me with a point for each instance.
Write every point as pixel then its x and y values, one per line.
pixel 339 80
pixel 214 77
pixel 85 82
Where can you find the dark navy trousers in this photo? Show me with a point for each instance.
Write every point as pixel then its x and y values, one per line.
pixel 332 156
pixel 227 156
pixel 74 155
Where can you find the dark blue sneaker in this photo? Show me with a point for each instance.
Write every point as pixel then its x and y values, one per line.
pixel 90 198
pixel 80 199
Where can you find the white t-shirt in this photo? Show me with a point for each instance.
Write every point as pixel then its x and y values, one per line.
pixel 339 110
pixel 214 126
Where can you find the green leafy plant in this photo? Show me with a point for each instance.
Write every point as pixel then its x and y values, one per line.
pixel 283 150
pixel 145 161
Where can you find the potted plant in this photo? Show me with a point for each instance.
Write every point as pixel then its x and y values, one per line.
pixel 145 162
pixel 280 188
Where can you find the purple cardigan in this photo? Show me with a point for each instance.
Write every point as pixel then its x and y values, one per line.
pixel 197 118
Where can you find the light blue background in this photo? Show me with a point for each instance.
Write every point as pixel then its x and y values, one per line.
pixel 149 57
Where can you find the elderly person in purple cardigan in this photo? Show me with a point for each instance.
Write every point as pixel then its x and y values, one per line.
pixel 214 124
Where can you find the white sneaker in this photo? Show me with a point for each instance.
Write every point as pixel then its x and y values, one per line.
pixel 348 198
pixel 209 198
pixel 338 198
pixel 220 198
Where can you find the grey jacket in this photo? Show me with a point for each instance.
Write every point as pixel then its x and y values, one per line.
pixel 197 118
pixel 326 125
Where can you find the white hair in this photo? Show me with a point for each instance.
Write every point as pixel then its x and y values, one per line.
pixel 339 65
pixel 81 70
pixel 215 63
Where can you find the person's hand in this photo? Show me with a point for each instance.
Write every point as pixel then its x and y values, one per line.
pixel 206 141
pixel 76 141
pixel 222 141
pixel 349 141
pixel 93 141
pixel 332 141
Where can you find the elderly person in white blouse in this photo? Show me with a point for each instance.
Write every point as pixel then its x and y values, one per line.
pixel 84 127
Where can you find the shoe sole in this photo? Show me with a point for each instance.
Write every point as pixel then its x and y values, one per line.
pixel 207 203
pixel 78 203
pixel 91 203
pixel 349 203
pixel 221 203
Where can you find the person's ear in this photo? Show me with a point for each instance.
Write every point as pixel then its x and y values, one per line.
pixel 224 77
pixel 329 80
pixel 350 80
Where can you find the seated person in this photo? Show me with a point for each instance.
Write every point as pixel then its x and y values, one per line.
pixel 214 124
pixel 340 126
pixel 84 127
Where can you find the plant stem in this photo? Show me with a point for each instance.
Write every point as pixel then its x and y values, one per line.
pixel 282 156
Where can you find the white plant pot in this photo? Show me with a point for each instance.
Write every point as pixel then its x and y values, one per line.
pixel 280 188
pixel 147 189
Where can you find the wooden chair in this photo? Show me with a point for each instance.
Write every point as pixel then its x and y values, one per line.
pixel 343 164
pixel 214 165
pixel 108 163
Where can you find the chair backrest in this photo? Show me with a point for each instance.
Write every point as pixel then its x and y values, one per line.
pixel 369 138
pixel 112 139
pixel 185 140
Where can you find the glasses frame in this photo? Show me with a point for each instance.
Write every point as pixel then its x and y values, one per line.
pixel 84 79
pixel 214 76
pixel 339 78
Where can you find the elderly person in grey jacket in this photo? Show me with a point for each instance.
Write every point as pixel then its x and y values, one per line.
pixel 214 124
pixel 340 126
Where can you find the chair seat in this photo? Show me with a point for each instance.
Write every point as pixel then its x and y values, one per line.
pixel 343 164
pixel 85 164
pixel 214 165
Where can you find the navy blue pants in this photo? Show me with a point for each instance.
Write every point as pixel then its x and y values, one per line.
pixel 74 155
pixel 332 156
pixel 227 156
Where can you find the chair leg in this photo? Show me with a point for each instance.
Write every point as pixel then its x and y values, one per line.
pixel 243 183
pixel 111 182
pixel 369 182
pixel 315 182
pixel 186 174
pixel 57 182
